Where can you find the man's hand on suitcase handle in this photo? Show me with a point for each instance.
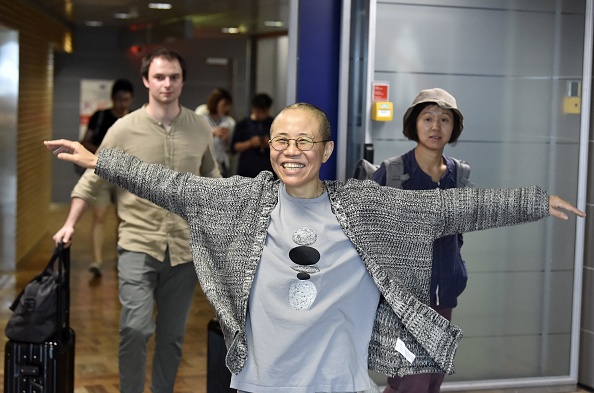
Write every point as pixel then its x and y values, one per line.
pixel 72 151
pixel 64 236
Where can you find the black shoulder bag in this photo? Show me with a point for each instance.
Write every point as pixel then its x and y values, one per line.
pixel 41 310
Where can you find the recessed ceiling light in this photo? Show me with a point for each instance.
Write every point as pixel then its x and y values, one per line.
pixel 230 30
pixel 94 23
pixel 122 15
pixel 160 6
pixel 274 23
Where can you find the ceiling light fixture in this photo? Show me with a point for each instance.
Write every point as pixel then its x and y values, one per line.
pixel 274 23
pixel 230 30
pixel 131 14
pixel 160 6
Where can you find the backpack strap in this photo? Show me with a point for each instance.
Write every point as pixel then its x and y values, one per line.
pixel 364 169
pixel 395 175
pixel 100 120
pixel 462 173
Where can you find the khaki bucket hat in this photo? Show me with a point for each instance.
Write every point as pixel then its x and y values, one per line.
pixel 440 97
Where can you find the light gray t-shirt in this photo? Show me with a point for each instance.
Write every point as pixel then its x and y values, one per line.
pixel 308 334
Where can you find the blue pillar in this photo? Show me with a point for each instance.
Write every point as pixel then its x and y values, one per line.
pixel 318 54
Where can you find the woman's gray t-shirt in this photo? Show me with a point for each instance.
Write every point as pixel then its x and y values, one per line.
pixel 308 334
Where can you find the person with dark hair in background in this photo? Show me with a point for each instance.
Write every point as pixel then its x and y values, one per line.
pixel 251 137
pixel 156 277
pixel 122 93
pixel 432 121
pixel 217 112
pixel 314 281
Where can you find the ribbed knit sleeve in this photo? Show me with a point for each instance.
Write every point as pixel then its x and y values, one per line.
pixel 154 182
pixel 471 209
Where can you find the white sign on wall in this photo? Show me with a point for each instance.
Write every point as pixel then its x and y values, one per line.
pixel 95 94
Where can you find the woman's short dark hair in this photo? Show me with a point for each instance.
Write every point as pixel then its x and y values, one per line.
pixel 215 97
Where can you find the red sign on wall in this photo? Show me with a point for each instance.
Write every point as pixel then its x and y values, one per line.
pixel 380 91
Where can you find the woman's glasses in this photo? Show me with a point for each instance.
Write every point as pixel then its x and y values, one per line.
pixel 281 143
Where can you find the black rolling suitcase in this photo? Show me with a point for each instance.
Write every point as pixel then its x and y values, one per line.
pixel 218 376
pixel 47 366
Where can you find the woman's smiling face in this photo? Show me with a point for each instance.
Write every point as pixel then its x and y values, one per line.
pixel 299 170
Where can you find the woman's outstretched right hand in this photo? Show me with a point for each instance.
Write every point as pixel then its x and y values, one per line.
pixel 72 151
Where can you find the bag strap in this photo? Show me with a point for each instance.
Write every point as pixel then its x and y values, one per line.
pixel 462 173
pixel 364 169
pixel 395 175
pixel 63 309
pixel 62 255
pixel 97 128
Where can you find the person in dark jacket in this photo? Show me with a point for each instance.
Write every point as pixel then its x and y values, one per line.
pixel 122 94
pixel 433 121
pixel 251 137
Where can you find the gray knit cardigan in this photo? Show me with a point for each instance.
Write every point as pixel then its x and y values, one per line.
pixel 392 230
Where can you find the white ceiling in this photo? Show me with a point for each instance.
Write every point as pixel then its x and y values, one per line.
pixel 202 15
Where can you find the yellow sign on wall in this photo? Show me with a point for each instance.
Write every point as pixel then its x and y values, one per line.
pixel 572 105
pixel 382 111
pixel 572 102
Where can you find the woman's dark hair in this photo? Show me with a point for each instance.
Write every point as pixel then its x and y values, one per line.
pixel 165 53
pixel 217 95
pixel 410 125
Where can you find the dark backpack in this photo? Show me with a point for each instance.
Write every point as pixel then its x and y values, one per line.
pixel 395 175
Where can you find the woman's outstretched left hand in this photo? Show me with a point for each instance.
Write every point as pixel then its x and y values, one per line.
pixel 556 204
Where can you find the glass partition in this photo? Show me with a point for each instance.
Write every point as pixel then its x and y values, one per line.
pixel 515 68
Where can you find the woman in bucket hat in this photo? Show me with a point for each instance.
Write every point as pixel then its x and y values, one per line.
pixel 433 120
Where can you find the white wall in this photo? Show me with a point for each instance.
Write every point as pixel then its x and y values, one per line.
pixel 271 69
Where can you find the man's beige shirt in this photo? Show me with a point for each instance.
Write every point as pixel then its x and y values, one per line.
pixel 187 146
